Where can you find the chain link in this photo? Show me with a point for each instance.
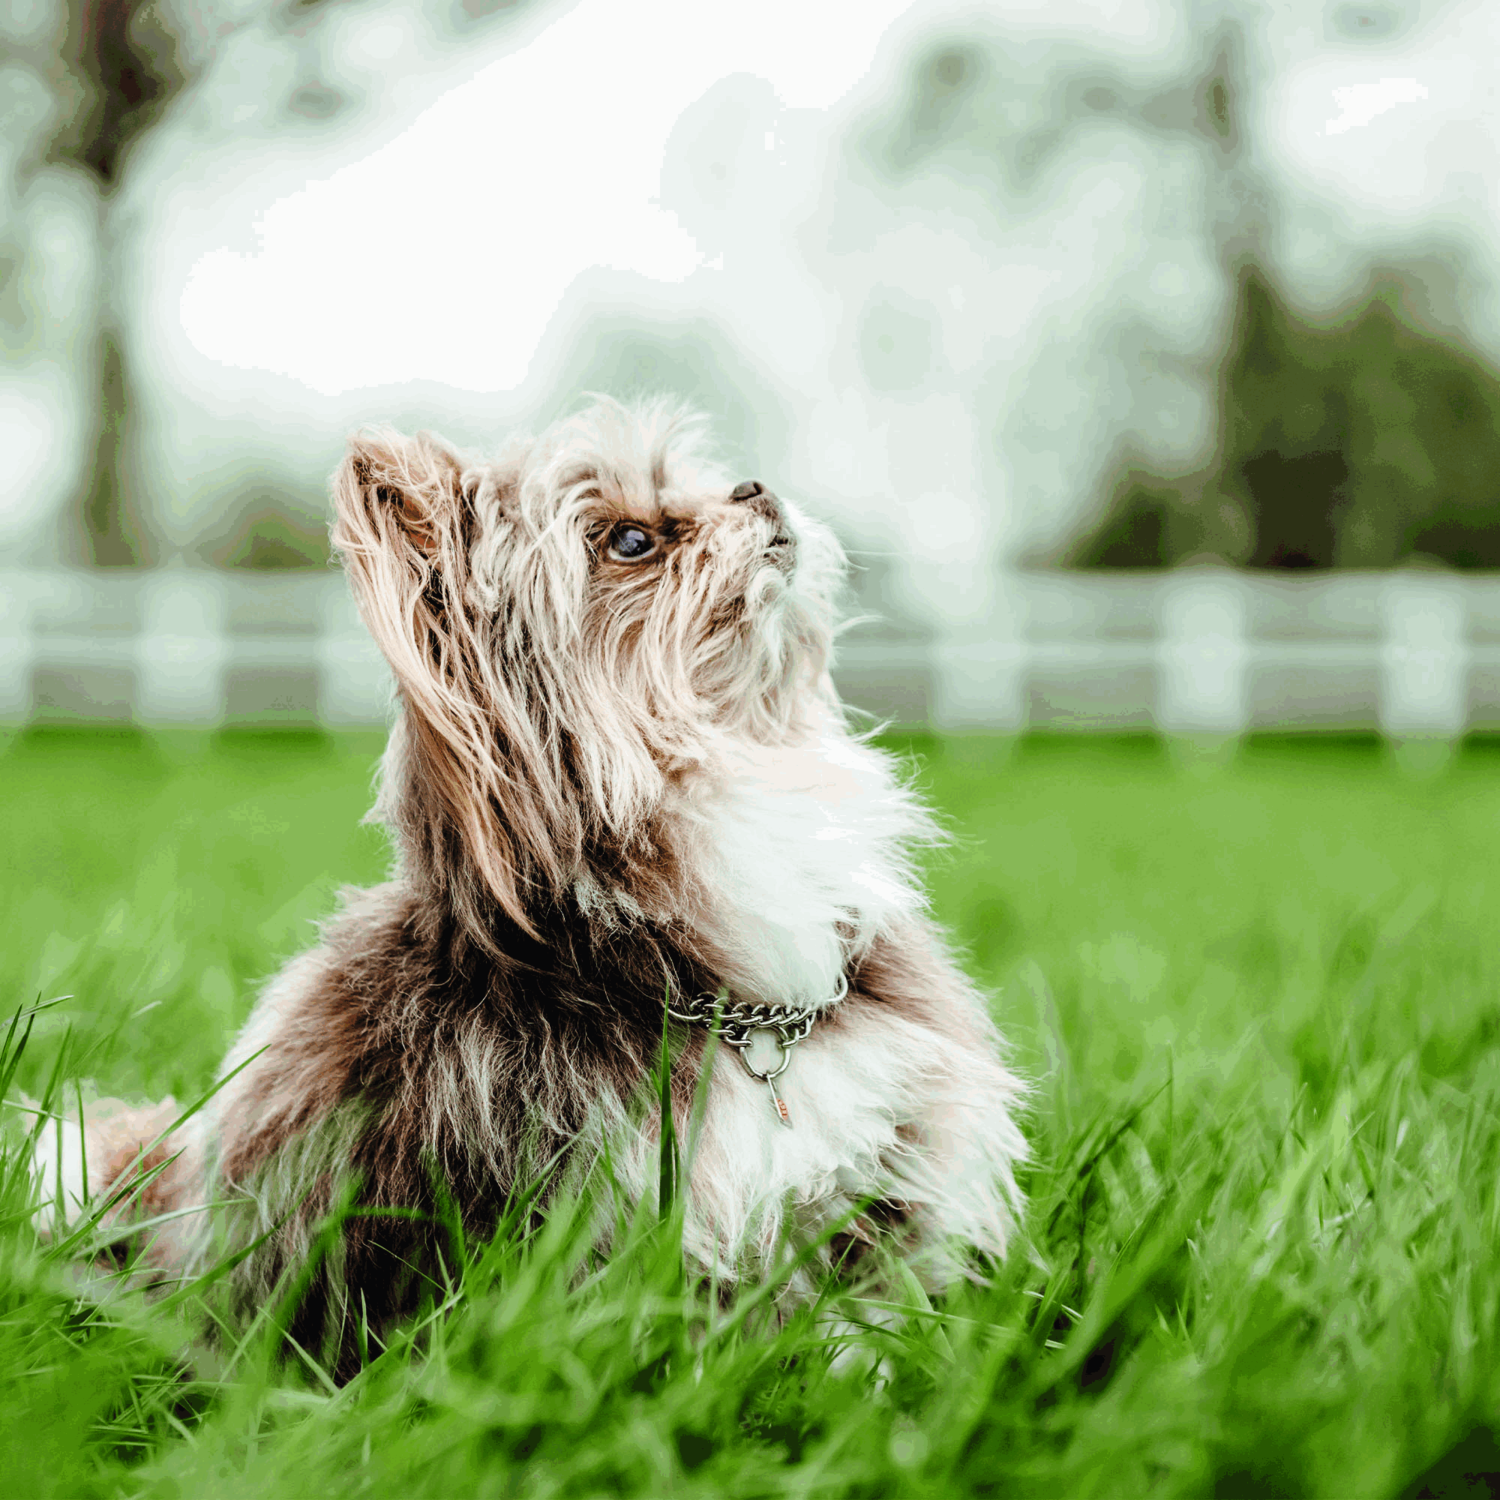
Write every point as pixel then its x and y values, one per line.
pixel 738 1021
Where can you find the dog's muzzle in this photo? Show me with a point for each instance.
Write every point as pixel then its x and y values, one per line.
pixel 783 546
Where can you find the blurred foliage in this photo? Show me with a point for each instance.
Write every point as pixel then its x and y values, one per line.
pixel 120 58
pixel 87 81
pixel 269 536
pixel 974 105
pixel 1357 443
pixel 115 68
pixel 691 358
pixel 114 533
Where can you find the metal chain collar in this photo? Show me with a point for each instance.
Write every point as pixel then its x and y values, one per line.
pixel 738 1022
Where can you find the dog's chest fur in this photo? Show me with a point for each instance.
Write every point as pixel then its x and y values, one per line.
pixel 794 859
pixel 797 860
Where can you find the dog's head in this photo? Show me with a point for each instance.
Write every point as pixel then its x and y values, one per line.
pixel 573 626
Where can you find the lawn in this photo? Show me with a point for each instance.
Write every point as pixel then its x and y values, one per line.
pixel 1260 1004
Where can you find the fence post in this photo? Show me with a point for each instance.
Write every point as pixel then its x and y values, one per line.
pixel 181 651
pixel 354 683
pixel 1203 686
pixel 1424 659
pixel 17 645
pixel 979 681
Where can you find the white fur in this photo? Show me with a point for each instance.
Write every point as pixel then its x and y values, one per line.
pixel 800 857
pixel 58 1169
pixel 881 1109
pixel 793 845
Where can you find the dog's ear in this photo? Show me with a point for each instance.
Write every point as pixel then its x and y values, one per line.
pixel 399 526
pixel 406 491
pixel 403 525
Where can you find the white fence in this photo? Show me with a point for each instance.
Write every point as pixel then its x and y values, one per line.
pixel 1190 652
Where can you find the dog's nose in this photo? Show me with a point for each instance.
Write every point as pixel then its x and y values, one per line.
pixel 783 548
pixel 753 493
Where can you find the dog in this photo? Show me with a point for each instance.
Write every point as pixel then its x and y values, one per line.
pixel 623 793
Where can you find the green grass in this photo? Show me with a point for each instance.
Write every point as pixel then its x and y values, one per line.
pixel 1261 1008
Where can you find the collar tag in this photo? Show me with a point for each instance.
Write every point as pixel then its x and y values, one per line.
pixel 744 1026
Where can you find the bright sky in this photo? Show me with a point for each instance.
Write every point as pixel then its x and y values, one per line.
pixel 1391 135
pixel 1361 102
pixel 443 254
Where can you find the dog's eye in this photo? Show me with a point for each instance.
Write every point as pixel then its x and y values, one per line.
pixel 630 543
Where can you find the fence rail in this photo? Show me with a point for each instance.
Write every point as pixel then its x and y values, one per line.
pixel 1187 652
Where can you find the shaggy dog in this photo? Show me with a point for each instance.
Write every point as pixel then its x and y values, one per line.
pixel 620 778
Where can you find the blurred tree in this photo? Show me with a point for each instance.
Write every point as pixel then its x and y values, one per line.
pixel 120 67
pixel 1002 110
pixel 108 71
pixel 125 62
pixel 112 532
pixel 1357 442
pixel 269 535
pixel 691 358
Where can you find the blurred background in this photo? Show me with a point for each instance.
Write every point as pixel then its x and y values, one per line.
pixel 1142 353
